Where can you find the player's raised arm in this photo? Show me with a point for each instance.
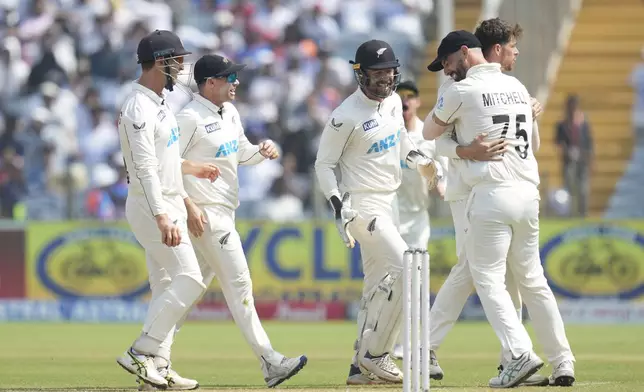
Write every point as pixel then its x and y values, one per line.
pixel 251 154
pixel 333 141
pixel 537 109
pixel 536 139
pixel 445 112
pixel 139 133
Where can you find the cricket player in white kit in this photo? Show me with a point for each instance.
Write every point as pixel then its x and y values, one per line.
pixel 365 139
pixel 212 132
pixel 502 211
pixel 149 138
pixel 412 198
pixel 499 45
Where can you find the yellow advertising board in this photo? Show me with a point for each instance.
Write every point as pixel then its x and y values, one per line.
pixel 308 261
pixel 84 259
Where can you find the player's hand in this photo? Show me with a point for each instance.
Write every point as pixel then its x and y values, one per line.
pixel 431 170
pixel 481 150
pixel 196 219
pixel 207 171
pixel 201 170
pixel 440 189
pixel 170 234
pixel 345 216
pixel 268 149
pixel 537 109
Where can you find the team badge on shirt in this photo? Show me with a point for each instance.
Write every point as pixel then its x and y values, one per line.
pixel 212 127
pixel 371 124
pixel 161 115
pixel 440 103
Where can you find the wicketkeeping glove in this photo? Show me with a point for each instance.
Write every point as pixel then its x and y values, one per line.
pixel 344 215
pixel 431 170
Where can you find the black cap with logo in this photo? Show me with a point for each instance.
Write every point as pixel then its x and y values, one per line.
pixel 214 66
pixel 160 44
pixel 451 44
pixel 375 54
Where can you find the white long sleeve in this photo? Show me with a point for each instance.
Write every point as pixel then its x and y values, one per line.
pixel 446 146
pixel 407 145
pixel 139 136
pixel 332 143
pixel 248 152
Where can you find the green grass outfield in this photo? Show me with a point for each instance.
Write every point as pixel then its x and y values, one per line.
pixel 82 356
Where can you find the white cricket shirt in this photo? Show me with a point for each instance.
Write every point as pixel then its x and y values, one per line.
pixel 366 140
pixel 413 193
pixel 149 137
pixel 489 101
pixel 213 134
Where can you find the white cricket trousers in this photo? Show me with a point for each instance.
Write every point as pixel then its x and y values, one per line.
pixel 381 250
pixel 453 294
pixel 164 264
pixel 221 255
pixel 414 228
pixel 503 223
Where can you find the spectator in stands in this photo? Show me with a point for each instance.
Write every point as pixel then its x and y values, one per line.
pixel 575 145
pixel 637 82
pixel 69 63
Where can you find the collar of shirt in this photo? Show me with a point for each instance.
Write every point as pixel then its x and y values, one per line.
pixel 151 94
pixel 366 99
pixel 215 109
pixel 481 68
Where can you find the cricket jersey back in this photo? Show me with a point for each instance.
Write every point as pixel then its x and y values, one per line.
pixel 487 101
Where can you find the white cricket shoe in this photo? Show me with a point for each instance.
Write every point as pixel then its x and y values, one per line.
pixel 382 367
pixel 435 371
pixel 143 367
pixel 275 374
pixel 517 371
pixel 397 352
pixel 356 377
pixel 563 375
pixel 536 380
pixel 175 381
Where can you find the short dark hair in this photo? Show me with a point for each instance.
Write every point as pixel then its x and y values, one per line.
pixel 497 31
pixel 147 65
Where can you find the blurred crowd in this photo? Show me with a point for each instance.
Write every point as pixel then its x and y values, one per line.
pixel 68 64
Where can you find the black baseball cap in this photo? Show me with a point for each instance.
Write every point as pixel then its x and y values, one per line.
pixel 375 54
pixel 214 66
pixel 160 44
pixel 408 85
pixel 451 44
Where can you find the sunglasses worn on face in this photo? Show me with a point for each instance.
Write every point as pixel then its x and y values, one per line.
pixel 231 78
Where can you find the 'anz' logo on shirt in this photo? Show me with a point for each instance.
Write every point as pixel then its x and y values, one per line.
pixel 371 124
pixel 213 127
pixel 227 149
pixel 174 136
pixel 385 144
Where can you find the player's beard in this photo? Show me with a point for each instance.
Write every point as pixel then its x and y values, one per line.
pixel 381 88
pixel 461 71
